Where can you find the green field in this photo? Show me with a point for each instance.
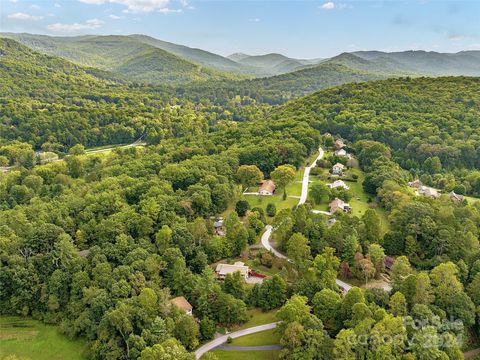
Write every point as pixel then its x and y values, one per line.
pixel 31 339
pixel 360 199
pixel 247 355
pixel 269 337
pixel 293 189
pixel 259 317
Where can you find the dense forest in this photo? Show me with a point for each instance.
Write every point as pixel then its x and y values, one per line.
pixel 431 126
pixel 99 243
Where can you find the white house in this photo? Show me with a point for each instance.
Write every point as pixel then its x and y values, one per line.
pixel 338 184
pixel 223 269
pixel 428 191
pixel 340 152
pixel 337 169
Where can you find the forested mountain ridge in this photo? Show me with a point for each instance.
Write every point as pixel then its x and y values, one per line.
pixel 424 121
pixel 54 104
pixel 135 57
pixel 122 55
pixel 281 88
pixel 430 62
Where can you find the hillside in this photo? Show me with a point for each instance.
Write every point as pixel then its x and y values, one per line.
pixel 406 114
pixel 54 104
pixel 281 88
pixel 198 56
pixel 429 62
pixel 122 55
pixel 273 64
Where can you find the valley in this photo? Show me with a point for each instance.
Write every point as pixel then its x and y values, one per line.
pixel 160 201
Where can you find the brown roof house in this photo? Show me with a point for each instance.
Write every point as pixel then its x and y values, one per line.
pixel 338 144
pixel 429 192
pixel 182 304
pixel 339 204
pixel 417 184
pixel 455 197
pixel 223 269
pixel 267 188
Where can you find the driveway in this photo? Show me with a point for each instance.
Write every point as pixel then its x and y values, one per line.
pixel 223 339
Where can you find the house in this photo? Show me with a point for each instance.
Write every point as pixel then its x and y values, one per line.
pixel 223 269
pixel 84 253
pixel 339 204
pixel 337 169
pixel 267 188
pixel 331 221
pixel 182 304
pixel 338 184
pixel 455 197
pixel 338 144
pixel 388 261
pixel 340 152
pixel 417 184
pixel 429 192
pixel 218 227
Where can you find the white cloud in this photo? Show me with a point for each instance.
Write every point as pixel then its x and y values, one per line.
pixel 136 6
pixel 94 2
pixel 254 20
pixel 57 5
pixel 328 6
pixel 116 17
pixel 187 5
pixel 23 16
pixel 69 28
pixel 14 1
pixel 169 11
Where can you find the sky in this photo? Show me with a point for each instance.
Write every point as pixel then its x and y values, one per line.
pixel 296 28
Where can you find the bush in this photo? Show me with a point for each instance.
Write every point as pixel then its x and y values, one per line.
pixel 229 340
pixel 354 176
pixel 207 328
pixel 242 207
pixel 271 210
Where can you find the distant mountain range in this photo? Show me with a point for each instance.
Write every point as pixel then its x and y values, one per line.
pixel 146 59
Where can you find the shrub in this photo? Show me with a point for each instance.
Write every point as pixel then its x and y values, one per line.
pixel 242 207
pixel 271 210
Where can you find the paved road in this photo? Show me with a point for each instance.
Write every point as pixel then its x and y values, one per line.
pixel 222 339
pixel 265 239
pixel 266 243
pixel 249 348
pixel 306 175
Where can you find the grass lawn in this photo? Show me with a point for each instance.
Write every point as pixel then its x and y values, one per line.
pixel 471 199
pixel 293 189
pixel 31 339
pixel 95 148
pixel 250 355
pixel 269 337
pixel 259 317
pixel 359 201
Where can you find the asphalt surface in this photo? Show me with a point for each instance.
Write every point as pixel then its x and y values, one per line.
pixel 223 339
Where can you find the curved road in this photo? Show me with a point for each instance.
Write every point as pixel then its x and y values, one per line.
pixel 266 244
pixel 265 239
pixel 222 339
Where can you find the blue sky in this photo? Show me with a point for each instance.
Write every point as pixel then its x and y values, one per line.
pixel 302 29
